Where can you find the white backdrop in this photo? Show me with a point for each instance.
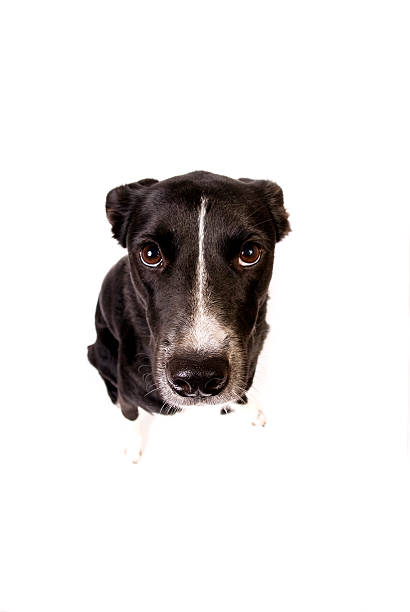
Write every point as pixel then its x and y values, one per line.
pixel 309 513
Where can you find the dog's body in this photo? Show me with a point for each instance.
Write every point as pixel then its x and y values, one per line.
pixel 181 319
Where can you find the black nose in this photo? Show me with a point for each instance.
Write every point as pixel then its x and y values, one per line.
pixel 197 377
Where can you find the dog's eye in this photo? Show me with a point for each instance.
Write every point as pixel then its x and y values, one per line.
pixel 250 254
pixel 151 255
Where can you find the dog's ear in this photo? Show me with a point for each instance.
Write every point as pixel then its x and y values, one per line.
pixel 119 205
pixel 273 195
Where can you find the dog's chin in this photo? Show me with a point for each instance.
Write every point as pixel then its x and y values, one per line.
pixel 180 403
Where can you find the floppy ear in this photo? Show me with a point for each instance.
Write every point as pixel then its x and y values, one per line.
pixel 119 205
pixel 273 195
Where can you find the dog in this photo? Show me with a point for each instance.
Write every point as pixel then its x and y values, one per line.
pixel 180 319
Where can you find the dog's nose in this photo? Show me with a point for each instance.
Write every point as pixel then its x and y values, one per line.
pixel 197 378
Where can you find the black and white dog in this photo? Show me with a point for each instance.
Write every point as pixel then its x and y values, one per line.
pixel 181 319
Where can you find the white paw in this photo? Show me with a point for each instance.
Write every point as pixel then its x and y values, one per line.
pixel 259 418
pixel 251 412
pixel 133 441
pixel 133 455
pixel 135 436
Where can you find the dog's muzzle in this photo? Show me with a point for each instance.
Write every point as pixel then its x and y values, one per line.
pixel 193 376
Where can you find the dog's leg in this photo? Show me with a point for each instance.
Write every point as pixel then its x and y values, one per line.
pixel 250 411
pixel 135 434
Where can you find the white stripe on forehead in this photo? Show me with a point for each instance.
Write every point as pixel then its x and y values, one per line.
pixel 201 277
pixel 205 332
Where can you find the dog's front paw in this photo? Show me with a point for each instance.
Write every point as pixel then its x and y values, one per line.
pixel 249 411
pixel 258 418
pixel 255 413
pixel 133 453
pixel 133 439
pixel 133 445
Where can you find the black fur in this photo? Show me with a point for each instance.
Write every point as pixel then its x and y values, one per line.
pixel 142 313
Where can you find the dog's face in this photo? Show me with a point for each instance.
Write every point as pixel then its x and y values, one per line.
pixel 201 249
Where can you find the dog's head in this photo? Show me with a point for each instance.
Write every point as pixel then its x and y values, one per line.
pixel 201 249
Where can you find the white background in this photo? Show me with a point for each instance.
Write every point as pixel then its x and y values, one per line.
pixel 310 513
